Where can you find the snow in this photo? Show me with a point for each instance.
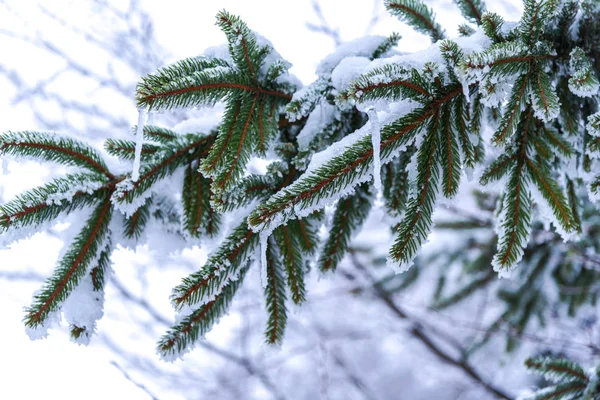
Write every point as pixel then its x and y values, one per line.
pixel 205 123
pixel 348 70
pixel 593 125
pixel 126 207
pixel 309 96
pixel 220 51
pixel 584 90
pixel 362 47
pixel 337 148
pixel 81 184
pixel 494 90
pixel 41 332
pixel 139 142
pixel 544 113
pixel 273 57
pixel 84 307
pixel 322 115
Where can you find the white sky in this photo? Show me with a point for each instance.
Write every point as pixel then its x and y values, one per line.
pixel 55 368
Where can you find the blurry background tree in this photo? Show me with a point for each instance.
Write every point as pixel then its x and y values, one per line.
pixel 359 334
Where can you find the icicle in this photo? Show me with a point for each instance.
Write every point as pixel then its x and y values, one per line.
pixel 376 140
pixel 264 238
pixel 139 142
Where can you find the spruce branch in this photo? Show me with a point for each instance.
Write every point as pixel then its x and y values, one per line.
pixel 512 113
pixel 539 129
pixel 350 213
pixel 254 92
pixel 72 267
pixel 223 266
pixel 557 142
pixel 571 381
pixel 391 41
pixel 275 294
pixel 556 370
pixel 418 15
pixel 416 224
pixel 81 330
pixel 100 271
pixel 293 260
pixel 391 81
pixel 251 188
pixel 157 134
pixel 544 98
pixel 194 326
pixel 515 221
pixel 465 30
pixel 491 23
pixel 199 216
pixel 449 151
pixel 345 171
pixel 583 81
pixel 171 159
pixel 396 183
pixel 472 10
pixel 552 193
pixel 125 149
pixel 53 148
pixel 45 203
pixel 307 232
pixel 133 225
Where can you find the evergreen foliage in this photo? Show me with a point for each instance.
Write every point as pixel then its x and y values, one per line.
pixel 404 128
pixel 569 380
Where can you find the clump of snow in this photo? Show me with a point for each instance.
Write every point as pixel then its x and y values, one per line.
pixel 274 57
pixel 126 207
pixel 84 307
pixel 41 331
pixel 209 119
pixel 494 90
pixel 348 70
pixel 362 47
pixel 78 185
pixel 220 51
